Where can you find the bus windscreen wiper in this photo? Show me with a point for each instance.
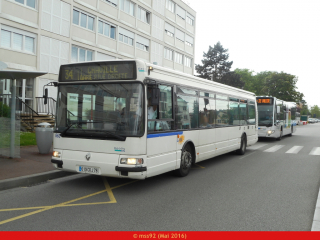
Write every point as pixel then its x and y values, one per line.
pixel 68 127
pixel 115 135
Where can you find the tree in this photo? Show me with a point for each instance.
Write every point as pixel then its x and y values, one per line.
pixel 246 76
pixel 232 79
pixel 214 62
pixel 283 86
pixel 315 111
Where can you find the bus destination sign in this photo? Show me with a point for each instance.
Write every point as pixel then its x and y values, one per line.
pixel 264 101
pixel 98 71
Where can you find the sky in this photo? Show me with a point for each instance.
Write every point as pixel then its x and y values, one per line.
pixel 265 35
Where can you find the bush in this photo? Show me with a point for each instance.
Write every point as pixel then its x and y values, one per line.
pixel 4 110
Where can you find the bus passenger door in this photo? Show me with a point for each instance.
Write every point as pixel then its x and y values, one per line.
pixel 161 142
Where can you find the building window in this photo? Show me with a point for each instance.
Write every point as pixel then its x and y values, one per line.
pixel 113 2
pixel 170 5
pixel 127 6
pixel 125 39
pixel 81 54
pixel 142 46
pixel 169 33
pixel 28 3
pixel 187 62
pixel 107 29
pixel 83 19
pixel 189 20
pixel 143 15
pixel 178 58
pixel 168 54
pixel 17 41
pixel 189 44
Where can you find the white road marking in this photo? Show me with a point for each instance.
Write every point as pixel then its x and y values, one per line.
pixel 294 150
pixel 274 148
pixel 256 146
pixel 315 151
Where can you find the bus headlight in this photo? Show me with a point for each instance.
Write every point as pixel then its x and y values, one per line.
pixel 56 154
pixel 131 161
pixel 270 132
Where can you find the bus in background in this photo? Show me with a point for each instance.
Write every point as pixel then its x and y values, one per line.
pixel 276 118
pixel 131 119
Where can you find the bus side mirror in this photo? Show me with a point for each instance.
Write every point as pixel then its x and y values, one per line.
pixel 278 109
pixel 45 96
pixel 155 96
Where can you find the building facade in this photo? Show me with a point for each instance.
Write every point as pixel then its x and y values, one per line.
pixel 43 34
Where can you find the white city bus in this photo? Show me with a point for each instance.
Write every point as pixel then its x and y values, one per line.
pixel 131 119
pixel 276 118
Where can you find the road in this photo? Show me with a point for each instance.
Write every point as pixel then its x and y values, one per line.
pixel 268 189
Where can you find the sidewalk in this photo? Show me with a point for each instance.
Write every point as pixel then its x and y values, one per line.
pixel 31 168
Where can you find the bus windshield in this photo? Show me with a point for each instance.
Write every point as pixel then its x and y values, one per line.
pixel 265 113
pixel 106 110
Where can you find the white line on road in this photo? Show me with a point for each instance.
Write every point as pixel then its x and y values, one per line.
pixel 294 149
pixel 256 146
pixel 247 155
pixel 274 148
pixel 315 151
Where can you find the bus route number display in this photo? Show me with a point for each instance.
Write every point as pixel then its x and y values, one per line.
pixel 98 71
pixel 264 101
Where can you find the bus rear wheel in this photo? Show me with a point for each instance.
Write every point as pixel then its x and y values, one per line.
pixel 186 161
pixel 243 146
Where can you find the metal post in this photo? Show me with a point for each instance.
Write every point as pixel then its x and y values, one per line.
pixel 13 117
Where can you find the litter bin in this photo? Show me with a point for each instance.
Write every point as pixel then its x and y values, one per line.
pixel 44 137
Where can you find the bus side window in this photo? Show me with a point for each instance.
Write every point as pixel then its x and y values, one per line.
pixel 164 112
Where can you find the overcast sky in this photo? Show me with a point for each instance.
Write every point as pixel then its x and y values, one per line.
pixel 265 35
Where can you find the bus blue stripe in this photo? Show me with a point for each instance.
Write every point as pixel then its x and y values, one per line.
pixel 163 134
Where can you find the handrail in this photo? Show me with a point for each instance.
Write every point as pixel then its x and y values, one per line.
pixel 49 108
pixel 28 107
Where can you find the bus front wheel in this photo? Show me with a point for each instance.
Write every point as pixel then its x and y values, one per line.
pixel 186 161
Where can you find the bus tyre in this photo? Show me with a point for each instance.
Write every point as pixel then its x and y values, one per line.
pixel 290 135
pixel 279 138
pixel 243 146
pixel 186 161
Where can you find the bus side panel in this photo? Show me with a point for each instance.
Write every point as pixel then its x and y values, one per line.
pixel 207 148
pixel 161 154
pixel 235 134
pixel 222 140
pixel 252 137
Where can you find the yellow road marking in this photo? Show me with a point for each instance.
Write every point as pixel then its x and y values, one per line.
pixel 199 165
pixel 67 204
pixel 109 191
pixel 121 185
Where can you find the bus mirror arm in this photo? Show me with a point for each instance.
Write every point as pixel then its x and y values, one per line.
pixel 45 90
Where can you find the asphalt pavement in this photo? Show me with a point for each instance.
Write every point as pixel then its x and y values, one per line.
pixel 263 190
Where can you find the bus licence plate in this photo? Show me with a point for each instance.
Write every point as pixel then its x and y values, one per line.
pixel 92 170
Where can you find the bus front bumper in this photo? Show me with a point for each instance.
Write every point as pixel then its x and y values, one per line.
pixel 103 164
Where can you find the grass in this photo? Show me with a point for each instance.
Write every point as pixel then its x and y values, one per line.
pixel 27 139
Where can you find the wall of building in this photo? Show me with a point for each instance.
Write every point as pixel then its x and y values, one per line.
pixel 44 36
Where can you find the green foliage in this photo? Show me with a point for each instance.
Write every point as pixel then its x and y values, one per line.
pixel 232 79
pixel 315 111
pixel 214 62
pixel 305 110
pixel 281 85
pixel 4 110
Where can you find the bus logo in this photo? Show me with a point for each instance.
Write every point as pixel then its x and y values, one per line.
pixel 118 149
pixel 88 156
